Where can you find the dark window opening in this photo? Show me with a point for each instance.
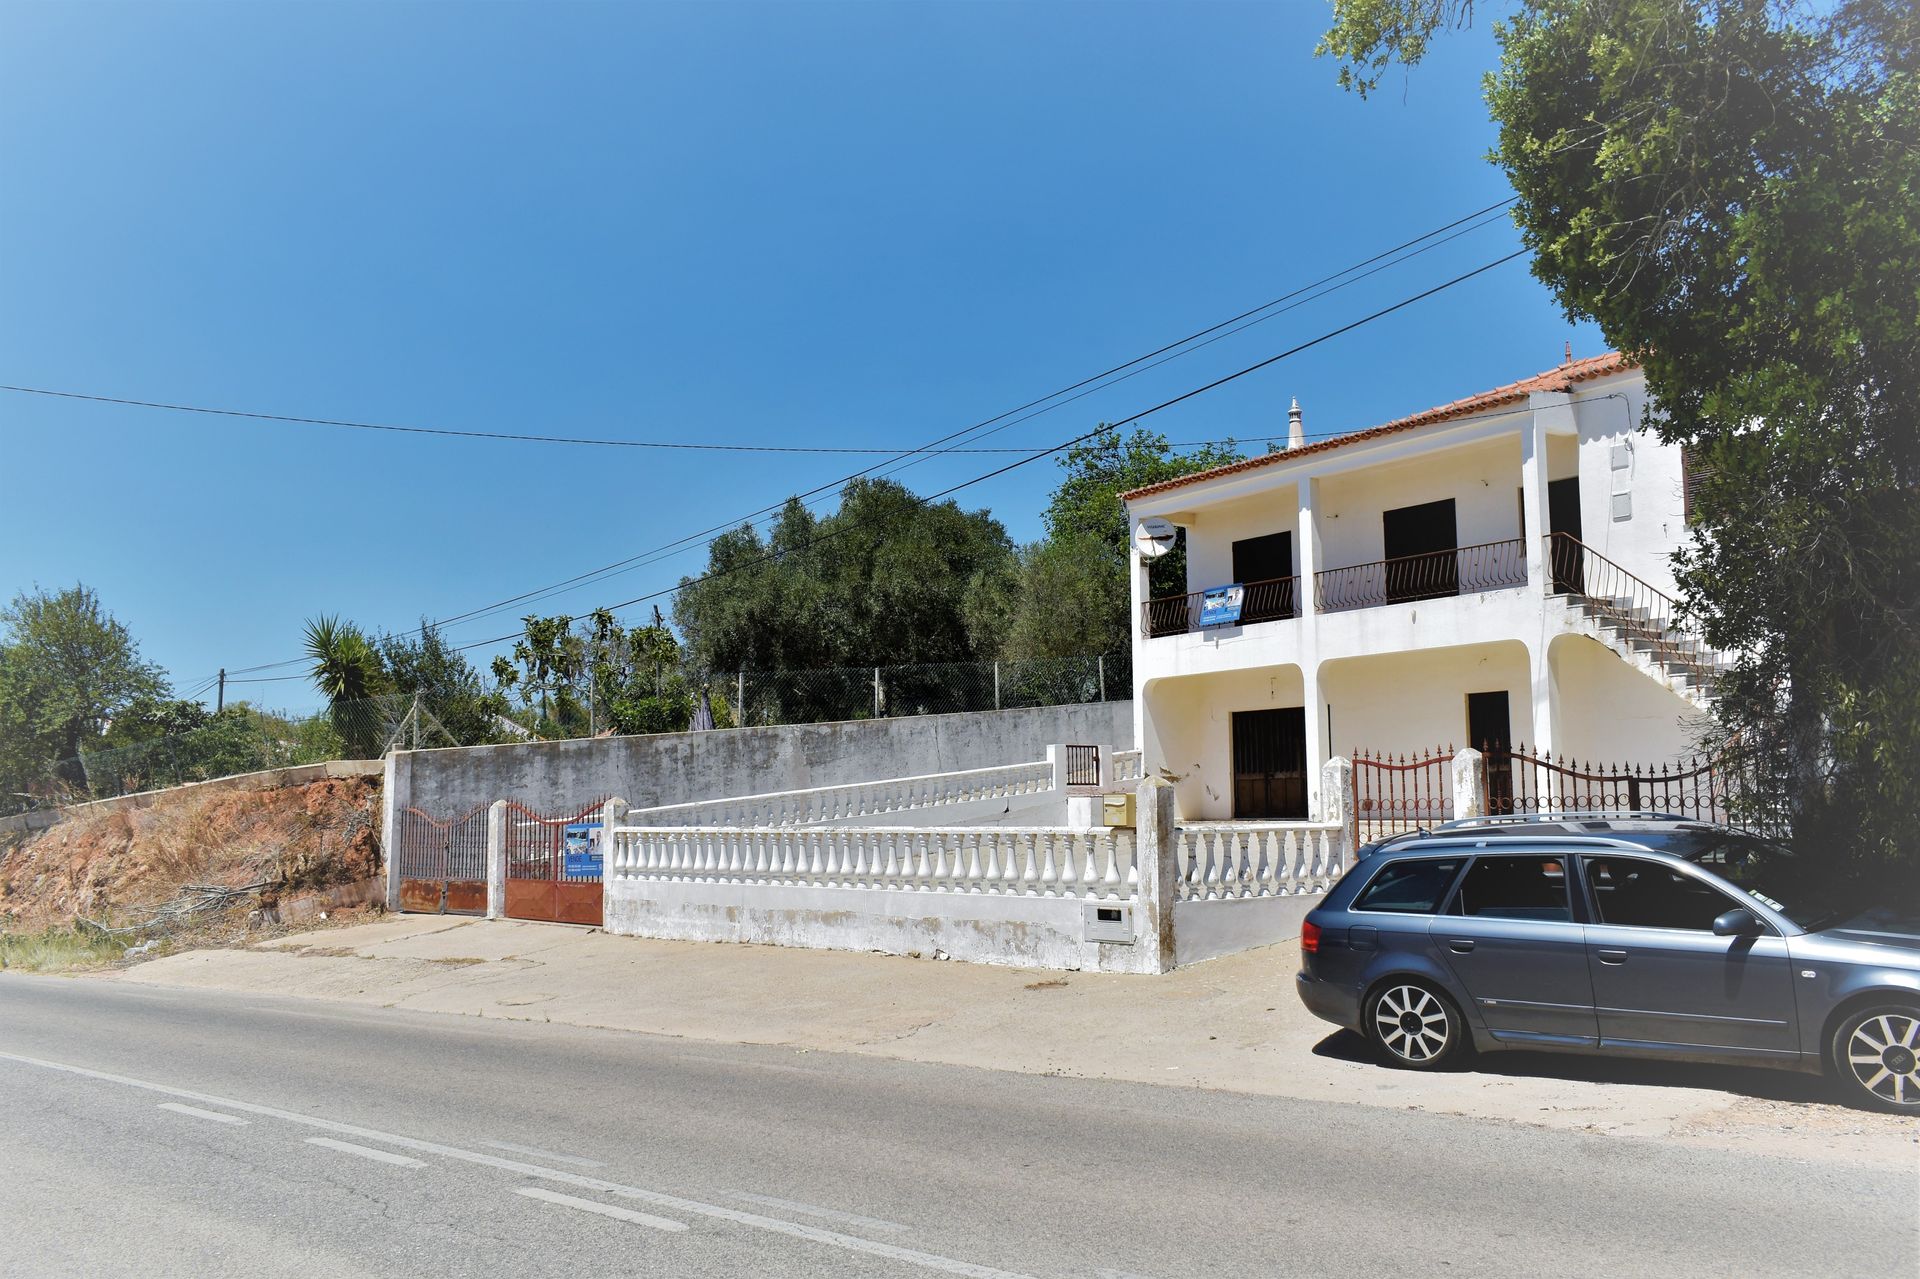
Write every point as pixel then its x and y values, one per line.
pixel 1264 565
pixel 1421 542
pixel 1490 731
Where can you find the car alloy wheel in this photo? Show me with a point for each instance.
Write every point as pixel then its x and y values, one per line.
pixel 1880 1052
pixel 1414 1025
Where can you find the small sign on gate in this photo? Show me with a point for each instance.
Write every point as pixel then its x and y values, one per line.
pixel 583 860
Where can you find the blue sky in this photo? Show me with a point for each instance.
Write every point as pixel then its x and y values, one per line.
pixel 859 225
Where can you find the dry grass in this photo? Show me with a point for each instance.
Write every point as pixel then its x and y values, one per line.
pixel 57 950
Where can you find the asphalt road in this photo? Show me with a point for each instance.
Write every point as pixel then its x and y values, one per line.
pixel 167 1132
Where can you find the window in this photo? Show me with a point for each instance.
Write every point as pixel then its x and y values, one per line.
pixel 1414 886
pixel 1637 894
pixel 1530 887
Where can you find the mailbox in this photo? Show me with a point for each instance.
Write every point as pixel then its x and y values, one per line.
pixel 1117 810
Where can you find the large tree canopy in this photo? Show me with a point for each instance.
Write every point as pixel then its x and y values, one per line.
pixel 884 580
pixel 1731 189
pixel 67 668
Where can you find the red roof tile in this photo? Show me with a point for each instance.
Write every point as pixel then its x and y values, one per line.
pixel 1562 378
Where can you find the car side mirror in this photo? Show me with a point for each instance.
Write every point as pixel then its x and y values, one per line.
pixel 1738 922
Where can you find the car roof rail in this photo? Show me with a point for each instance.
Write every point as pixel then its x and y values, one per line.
pixel 1464 840
pixel 1588 815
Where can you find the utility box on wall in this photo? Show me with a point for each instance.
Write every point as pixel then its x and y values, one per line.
pixel 1108 922
pixel 1117 810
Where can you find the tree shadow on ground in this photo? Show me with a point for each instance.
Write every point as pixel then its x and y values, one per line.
pixel 1743 1081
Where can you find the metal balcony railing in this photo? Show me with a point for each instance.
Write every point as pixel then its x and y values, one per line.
pixel 1637 616
pixel 1465 570
pixel 1268 601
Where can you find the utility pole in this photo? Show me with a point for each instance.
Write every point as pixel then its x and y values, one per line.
pixel 220 702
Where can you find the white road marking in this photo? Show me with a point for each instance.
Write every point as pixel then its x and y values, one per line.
pixel 811 1210
pixel 605 1210
pixel 198 1113
pixel 813 1234
pixel 538 1153
pixel 366 1152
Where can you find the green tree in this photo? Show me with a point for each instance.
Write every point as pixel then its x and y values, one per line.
pixel 450 689
pixel 1071 593
pixel 886 580
pixel 347 671
pixel 1731 189
pixel 67 668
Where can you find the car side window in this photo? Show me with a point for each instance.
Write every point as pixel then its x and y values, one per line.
pixel 1414 886
pixel 1515 887
pixel 1631 893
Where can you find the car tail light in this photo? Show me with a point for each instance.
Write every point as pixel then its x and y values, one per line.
pixel 1309 938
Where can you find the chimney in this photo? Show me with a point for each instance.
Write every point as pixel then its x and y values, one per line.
pixel 1296 429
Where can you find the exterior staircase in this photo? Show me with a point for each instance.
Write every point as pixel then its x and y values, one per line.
pixel 1637 621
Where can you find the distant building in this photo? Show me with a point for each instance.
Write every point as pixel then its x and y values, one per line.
pixel 1490 572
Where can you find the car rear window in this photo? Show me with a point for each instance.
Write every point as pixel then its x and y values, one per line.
pixel 1414 885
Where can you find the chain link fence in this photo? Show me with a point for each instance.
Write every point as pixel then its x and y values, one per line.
pixel 242 739
pixel 760 698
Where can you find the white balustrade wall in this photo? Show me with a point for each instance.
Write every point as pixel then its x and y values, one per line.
pixel 1104 898
pixel 858 799
pixel 1013 861
pixel 1126 766
pixel 1221 860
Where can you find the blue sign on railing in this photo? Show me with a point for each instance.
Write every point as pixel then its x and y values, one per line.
pixel 583 860
pixel 1220 605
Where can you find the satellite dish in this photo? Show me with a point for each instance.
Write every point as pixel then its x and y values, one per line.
pixel 1153 537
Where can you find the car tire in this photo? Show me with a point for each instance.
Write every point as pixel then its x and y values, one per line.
pixel 1875 1057
pixel 1413 1025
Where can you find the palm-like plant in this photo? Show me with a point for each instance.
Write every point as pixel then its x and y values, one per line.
pixel 348 673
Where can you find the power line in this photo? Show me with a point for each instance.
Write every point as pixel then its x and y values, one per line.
pixel 1000 421
pixel 1064 444
pixel 1225 328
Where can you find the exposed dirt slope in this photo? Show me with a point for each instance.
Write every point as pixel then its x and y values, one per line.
pixel 117 866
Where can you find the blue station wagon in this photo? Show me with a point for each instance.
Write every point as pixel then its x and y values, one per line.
pixel 1645 937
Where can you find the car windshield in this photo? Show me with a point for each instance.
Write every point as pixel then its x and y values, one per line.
pixel 1768 873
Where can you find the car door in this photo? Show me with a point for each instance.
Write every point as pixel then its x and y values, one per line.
pixel 1661 978
pixel 1510 937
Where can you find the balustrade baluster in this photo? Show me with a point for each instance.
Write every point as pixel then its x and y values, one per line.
pixel 1210 872
pixel 1049 871
pixel 1069 873
pixel 976 877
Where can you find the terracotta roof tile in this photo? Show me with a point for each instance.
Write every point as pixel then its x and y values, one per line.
pixel 1562 378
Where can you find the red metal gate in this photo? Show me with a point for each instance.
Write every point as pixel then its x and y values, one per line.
pixel 1392 794
pixel 443 864
pixel 545 878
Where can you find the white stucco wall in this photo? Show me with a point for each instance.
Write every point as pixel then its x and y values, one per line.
pixel 1608 415
pixel 1192 719
pixel 1018 931
pixel 1413 701
pixel 1611 713
pixel 1483 479
pixel 1210 540
pixel 1209 929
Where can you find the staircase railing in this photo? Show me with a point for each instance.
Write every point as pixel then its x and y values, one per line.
pixel 1646 619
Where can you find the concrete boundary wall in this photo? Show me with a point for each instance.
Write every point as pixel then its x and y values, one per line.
pixel 1205 930
pixel 677 768
pixel 267 779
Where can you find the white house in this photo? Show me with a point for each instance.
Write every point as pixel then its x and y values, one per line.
pixel 1492 571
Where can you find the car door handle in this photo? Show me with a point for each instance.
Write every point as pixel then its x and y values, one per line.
pixel 1611 956
pixel 1460 945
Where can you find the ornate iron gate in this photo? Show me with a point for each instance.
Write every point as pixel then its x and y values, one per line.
pixel 443 864
pixel 1392 793
pixel 1697 788
pixel 554 865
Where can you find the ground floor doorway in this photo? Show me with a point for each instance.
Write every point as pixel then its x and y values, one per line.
pixel 1270 764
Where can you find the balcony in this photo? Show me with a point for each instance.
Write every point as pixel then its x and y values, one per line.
pixel 1465 570
pixel 1269 601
